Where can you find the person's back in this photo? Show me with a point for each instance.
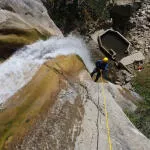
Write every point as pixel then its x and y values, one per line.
pixel 100 65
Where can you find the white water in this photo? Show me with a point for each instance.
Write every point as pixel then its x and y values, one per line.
pixel 20 68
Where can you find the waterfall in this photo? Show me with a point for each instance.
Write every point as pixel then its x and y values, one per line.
pixel 19 69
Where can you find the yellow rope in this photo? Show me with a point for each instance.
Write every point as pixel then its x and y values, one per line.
pixel 106 115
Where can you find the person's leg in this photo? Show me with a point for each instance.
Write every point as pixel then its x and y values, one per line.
pixel 94 71
pixel 105 75
pixel 98 75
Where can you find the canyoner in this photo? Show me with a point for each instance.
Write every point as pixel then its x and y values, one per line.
pixel 101 68
pixel 69 86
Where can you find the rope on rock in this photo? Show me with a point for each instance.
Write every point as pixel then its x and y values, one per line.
pixel 106 115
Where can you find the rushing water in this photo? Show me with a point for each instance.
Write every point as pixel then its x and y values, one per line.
pixel 20 68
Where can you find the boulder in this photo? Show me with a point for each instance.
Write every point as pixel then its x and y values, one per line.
pixel 132 58
pixel 23 22
pixel 121 12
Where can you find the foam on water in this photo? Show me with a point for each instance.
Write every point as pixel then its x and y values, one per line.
pixel 20 68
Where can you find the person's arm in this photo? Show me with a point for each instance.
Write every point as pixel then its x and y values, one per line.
pixel 98 63
pixel 106 67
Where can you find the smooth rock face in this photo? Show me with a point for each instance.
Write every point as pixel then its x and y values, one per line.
pixel 32 12
pixel 23 22
pixel 93 133
pixel 77 121
pixel 51 90
pixel 70 111
pixel 132 58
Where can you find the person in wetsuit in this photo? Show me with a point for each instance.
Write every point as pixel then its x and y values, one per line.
pixel 101 66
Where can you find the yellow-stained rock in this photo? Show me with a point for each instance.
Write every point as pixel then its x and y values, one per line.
pixel 31 102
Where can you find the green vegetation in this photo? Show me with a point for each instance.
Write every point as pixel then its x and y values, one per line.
pixel 72 14
pixel 141 117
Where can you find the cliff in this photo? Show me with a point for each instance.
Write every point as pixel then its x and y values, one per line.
pixel 62 108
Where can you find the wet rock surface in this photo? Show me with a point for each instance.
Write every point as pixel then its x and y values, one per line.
pixel 30 105
pixel 77 120
pixel 62 108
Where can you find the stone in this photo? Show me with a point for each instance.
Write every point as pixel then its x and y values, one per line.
pixel 148 18
pixel 143 12
pixel 146 50
pixel 138 46
pixel 23 22
pixel 142 30
pixel 118 83
pixel 95 35
pixel 148 25
pixel 128 79
pixel 132 58
pixel 128 86
pixel 141 42
pixel 148 12
pixel 145 27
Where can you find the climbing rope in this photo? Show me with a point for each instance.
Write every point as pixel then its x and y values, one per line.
pixel 106 115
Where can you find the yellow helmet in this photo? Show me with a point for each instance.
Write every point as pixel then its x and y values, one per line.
pixel 105 59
